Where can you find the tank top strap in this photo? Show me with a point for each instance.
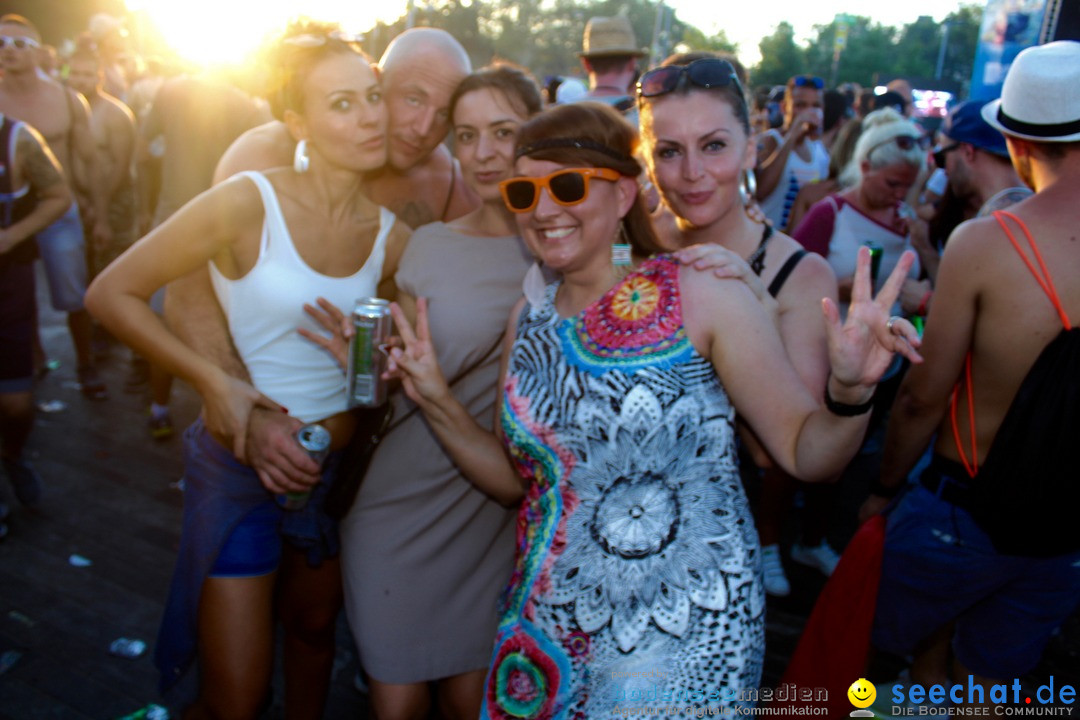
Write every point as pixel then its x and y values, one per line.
pixel 1043 277
pixel 274 227
pixel 374 263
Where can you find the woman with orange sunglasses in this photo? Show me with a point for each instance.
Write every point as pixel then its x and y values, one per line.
pixel 637 580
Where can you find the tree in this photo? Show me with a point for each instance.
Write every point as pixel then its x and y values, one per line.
pixel 780 57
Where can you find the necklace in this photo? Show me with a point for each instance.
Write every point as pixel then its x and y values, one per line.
pixel 756 259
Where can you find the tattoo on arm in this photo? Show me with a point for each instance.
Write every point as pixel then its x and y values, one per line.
pixel 39 166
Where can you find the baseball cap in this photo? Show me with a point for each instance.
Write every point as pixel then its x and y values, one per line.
pixel 965 124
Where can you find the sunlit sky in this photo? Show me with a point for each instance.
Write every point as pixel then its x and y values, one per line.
pixel 225 30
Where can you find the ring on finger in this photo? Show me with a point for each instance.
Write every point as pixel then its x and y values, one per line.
pixel 892 321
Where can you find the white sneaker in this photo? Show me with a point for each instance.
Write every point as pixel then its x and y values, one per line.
pixel 821 557
pixel 776 583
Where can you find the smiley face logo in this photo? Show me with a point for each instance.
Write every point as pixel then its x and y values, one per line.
pixel 862 693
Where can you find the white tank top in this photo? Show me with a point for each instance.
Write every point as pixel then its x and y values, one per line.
pixel 264 308
pixel 797 172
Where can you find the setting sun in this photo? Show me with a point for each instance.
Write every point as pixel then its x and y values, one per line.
pixel 212 32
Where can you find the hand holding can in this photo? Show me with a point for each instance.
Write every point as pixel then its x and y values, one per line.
pixel 315 440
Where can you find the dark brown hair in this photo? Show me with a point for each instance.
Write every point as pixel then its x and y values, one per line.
pixel 606 140
pixel 295 58
pixel 513 81
pixel 734 94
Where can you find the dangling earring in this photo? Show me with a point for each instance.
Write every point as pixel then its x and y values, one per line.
pixel 620 251
pixel 748 188
pixel 301 161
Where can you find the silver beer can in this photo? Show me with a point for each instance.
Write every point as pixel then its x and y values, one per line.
pixel 367 361
pixel 315 440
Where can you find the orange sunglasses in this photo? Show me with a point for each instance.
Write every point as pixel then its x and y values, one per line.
pixel 566 187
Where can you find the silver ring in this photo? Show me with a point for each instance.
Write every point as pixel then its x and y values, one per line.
pixel 891 322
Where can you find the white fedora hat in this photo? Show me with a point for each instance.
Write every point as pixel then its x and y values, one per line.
pixel 1040 99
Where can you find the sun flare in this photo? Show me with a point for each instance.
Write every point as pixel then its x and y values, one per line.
pixel 219 32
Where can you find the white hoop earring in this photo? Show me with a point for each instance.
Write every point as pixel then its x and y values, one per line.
pixel 301 161
pixel 748 188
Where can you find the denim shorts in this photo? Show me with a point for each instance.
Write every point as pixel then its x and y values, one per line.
pixel 254 546
pixel 940 567
pixel 63 253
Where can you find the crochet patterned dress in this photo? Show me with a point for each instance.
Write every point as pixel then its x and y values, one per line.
pixel 637 580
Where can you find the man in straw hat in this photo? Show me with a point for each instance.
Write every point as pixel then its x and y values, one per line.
pixel 985 546
pixel 609 54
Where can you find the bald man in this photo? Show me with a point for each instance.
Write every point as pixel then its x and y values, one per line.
pixel 420 183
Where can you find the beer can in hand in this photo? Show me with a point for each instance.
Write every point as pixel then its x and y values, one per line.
pixel 372 326
pixel 315 440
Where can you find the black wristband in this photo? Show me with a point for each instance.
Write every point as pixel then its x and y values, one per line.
pixel 876 488
pixel 844 409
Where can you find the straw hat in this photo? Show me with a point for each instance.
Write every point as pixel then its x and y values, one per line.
pixel 609 37
pixel 1040 99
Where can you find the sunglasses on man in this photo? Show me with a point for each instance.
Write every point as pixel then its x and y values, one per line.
pixel 704 73
pixel 20 43
pixel 566 187
pixel 940 153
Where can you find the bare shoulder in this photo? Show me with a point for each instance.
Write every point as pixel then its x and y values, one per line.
pixel 266 146
pixel 118 111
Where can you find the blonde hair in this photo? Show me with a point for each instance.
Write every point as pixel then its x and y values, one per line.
pixel 874 146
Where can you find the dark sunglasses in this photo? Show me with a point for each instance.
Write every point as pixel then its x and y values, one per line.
pixel 940 153
pixel 20 43
pixel 809 81
pixel 704 73
pixel 566 187
pixel 904 142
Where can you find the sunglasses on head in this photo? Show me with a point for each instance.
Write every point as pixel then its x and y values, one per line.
pixel 704 73
pixel 809 81
pixel 940 153
pixel 904 142
pixel 18 42
pixel 566 187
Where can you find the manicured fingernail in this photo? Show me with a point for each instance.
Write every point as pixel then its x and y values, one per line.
pixel 285 410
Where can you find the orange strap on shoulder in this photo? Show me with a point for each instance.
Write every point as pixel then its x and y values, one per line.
pixel 1044 280
pixel 1047 284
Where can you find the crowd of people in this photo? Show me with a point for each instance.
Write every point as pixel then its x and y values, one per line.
pixel 634 319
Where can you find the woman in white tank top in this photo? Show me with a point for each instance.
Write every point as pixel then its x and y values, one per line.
pixel 274 242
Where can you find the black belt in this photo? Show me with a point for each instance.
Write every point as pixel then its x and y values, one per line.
pixel 947 480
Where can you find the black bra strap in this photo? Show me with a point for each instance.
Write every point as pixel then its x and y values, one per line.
pixel 782 276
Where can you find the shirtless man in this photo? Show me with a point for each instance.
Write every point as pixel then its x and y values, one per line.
pixel 942 566
pixel 113 128
pixel 420 183
pixel 63 119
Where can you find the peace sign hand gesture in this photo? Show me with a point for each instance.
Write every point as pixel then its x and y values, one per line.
pixel 861 348
pixel 416 365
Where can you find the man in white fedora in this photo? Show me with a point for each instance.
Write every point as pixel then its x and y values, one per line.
pixel 984 549
pixel 609 54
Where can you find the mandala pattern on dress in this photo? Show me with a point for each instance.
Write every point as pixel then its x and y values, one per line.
pixel 528 676
pixel 651 537
pixel 637 323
